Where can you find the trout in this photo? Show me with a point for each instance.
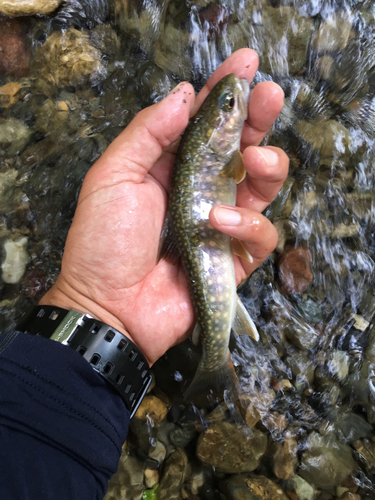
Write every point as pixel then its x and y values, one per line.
pixel 207 168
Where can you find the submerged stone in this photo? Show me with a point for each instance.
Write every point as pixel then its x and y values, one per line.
pixel 9 94
pixel 67 59
pixel 175 472
pixel 294 270
pixel 301 488
pixel 28 7
pixel 14 136
pixel 16 258
pixel 326 462
pixel 152 408
pixel 231 448
pixel 249 487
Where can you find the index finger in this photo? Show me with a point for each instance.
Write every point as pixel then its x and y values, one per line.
pixel 243 62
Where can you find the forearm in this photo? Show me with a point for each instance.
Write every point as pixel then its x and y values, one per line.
pixel 61 425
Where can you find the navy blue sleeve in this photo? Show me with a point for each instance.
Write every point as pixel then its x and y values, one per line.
pixel 62 426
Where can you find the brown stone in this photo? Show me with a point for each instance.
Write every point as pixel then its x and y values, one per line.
pixel 28 7
pixel 36 283
pixel 9 94
pixel 14 48
pixel 294 270
pixel 349 496
pixel 152 408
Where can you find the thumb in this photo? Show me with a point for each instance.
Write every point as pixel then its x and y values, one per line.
pixel 132 154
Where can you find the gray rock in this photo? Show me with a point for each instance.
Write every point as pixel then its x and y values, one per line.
pixel 334 33
pixel 176 471
pixel 326 462
pixel 128 481
pixel 285 458
pixel 249 487
pixel 231 448
pixel 16 259
pixel 14 135
pixel 301 488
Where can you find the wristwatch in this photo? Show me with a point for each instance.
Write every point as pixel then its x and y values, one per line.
pixel 109 352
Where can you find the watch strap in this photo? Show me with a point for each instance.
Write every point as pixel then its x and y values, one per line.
pixel 109 352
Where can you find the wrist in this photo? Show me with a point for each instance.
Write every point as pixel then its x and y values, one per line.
pixel 66 297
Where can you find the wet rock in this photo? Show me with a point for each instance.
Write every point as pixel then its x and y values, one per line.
pixel 151 478
pixel 301 365
pixel 181 437
pixel 14 48
pixel 324 67
pixel 105 39
pixel 36 283
pixel 28 7
pixel 349 496
pixel 339 365
pixel 158 453
pixel 81 14
pixel 366 450
pixel 274 421
pixel 285 458
pixel 326 462
pixel 230 448
pixel 282 26
pixel 171 54
pixel 333 34
pixel 50 117
pixel 7 188
pixel 248 487
pixel 152 409
pixel 301 488
pixel 330 138
pixel 16 258
pixel 294 270
pixel 9 94
pixel 67 59
pixel 128 481
pixel 175 472
pixel 353 426
pixel 14 136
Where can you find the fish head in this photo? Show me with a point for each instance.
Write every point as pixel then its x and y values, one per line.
pixel 225 108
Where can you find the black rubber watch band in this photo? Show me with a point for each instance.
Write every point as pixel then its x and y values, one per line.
pixel 109 352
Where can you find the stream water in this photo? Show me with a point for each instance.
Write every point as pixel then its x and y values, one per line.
pixel 70 81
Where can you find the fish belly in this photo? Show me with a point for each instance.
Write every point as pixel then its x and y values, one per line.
pixel 209 267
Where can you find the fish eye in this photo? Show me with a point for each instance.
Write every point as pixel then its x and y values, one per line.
pixel 227 102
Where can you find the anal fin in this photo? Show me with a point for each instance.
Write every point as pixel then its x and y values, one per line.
pixel 242 323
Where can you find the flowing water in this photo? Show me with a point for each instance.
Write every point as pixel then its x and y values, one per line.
pixel 308 388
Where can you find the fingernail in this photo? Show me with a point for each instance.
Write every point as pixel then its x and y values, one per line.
pixel 269 156
pixel 227 217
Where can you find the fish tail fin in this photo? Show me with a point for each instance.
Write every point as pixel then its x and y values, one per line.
pixel 207 386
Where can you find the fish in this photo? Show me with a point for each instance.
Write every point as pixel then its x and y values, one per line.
pixel 207 168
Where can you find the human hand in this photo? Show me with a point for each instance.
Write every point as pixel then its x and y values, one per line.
pixel 110 268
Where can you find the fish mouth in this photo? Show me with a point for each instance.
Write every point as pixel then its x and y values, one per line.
pixel 244 97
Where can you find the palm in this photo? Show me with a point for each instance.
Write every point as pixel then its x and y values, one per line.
pixel 149 297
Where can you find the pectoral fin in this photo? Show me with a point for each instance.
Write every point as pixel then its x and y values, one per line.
pixel 196 334
pixel 238 248
pixel 242 323
pixel 234 168
pixel 168 247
